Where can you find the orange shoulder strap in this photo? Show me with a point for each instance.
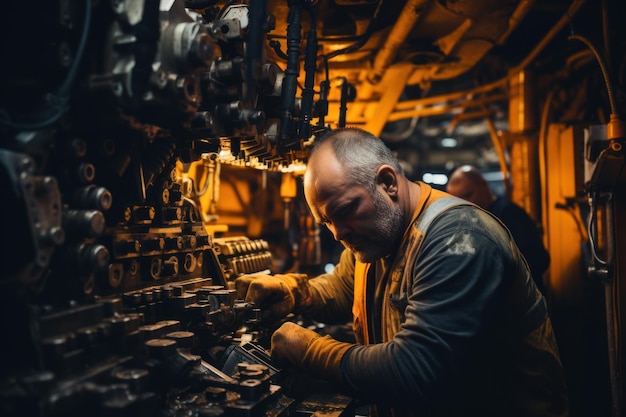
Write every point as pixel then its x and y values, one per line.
pixel 359 311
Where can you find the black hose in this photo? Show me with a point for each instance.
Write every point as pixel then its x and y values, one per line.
pixel 290 81
pixel 254 49
pixel 310 65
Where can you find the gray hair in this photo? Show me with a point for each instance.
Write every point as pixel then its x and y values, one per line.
pixel 360 153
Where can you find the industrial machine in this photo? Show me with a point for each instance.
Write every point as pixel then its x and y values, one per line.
pixel 150 153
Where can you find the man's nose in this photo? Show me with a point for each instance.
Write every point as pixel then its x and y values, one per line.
pixel 339 230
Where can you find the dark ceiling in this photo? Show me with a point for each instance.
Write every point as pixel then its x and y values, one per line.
pixel 449 47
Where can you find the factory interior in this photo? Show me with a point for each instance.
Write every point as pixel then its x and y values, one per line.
pixel 153 151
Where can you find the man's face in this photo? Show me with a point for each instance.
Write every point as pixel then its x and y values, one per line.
pixel 370 224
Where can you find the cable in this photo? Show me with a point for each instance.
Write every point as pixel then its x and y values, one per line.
pixel 603 68
pixel 361 42
pixel 59 101
pixel 591 231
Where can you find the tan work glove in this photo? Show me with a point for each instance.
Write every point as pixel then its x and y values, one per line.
pixel 276 295
pixel 293 346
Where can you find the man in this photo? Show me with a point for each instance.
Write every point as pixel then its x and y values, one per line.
pixel 468 183
pixel 447 319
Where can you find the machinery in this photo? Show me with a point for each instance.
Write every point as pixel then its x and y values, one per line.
pixel 150 153
pixel 118 297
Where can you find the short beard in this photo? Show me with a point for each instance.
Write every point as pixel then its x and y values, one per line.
pixel 388 228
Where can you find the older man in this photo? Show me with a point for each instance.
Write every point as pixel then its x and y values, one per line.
pixel 447 318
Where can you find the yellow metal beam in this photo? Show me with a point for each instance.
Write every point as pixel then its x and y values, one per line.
pixel 378 114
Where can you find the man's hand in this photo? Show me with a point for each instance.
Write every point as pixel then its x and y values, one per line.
pixel 294 346
pixel 275 295
pixel 289 344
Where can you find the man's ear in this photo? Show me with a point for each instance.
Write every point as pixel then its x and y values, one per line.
pixel 388 179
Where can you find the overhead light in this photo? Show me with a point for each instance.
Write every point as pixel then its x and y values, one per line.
pixel 437 179
pixel 449 142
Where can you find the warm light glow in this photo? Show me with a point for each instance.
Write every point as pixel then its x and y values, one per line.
pixel 225 155
pixel 297 167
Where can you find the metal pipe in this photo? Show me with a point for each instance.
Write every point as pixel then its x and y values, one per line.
pixel 565 19
pixel 495 138
pixel 343 106
pixel 410 15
